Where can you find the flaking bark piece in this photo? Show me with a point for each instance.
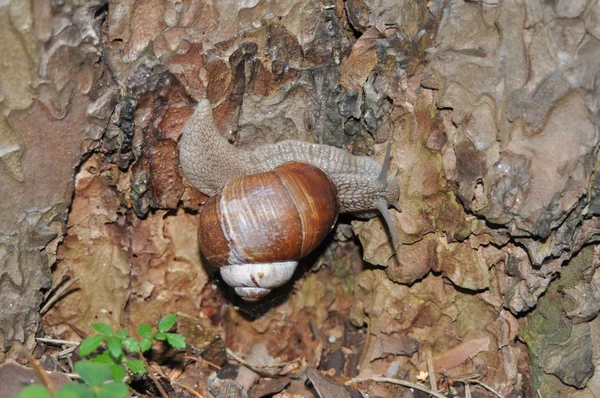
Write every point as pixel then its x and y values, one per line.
pixel 14 378
pixel 327 388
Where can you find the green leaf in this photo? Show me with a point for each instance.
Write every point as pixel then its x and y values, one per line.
pixel 131 344
pixel 116 389
pixel 145 344
pixel 103 358
pixel 89 344
pixel 160 336
pixel 102 328
pixel 93 373
pixel 166 323
pixel 136 366
pixel 75 390
pixel 114 347
pixel 145 330
pixel 34 391
pixel 176 340
pixel 117 372
pixel 67 394
pixel 121 333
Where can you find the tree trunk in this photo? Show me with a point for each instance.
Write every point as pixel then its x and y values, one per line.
pixel 56 101
pixel 492 110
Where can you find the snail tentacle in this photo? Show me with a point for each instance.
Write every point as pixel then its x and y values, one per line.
pixel 209 161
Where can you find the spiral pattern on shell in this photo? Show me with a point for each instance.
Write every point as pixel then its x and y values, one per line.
pixel 270 218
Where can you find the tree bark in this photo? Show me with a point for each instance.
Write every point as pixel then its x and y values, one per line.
pixel 492 110
pixel 56 101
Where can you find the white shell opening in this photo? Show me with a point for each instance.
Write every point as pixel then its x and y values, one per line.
pixel 254 281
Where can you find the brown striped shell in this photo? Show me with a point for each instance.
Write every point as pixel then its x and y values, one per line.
pixel 267 219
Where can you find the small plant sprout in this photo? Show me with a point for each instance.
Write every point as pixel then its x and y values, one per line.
pixel 105 374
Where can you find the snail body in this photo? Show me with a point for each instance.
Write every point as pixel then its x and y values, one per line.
pixel 252 183
pixel 258 226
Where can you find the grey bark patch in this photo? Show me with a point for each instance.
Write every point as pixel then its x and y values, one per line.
pixel 571 361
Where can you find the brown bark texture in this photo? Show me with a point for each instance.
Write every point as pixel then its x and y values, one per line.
pixel 492 108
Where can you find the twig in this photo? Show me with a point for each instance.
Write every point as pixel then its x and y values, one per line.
pixel 273 370
pixel 431 370
pixel 56 341
pixel 62 353
pixel 490 389
pixel 397 382
pixel 57 279
pixel 472 380
pixel 163 393
pixel 160 372
pixel 366 347
pixel 209 363
pixel 58 364
pixel 71 364
pixel 57 295
pixel 187 388
pixel 81 333
pixel 42 372
pixel 240 360
pixel 66 351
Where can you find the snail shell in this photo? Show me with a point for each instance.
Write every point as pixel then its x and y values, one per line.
pixel 257 227
pixel 256 243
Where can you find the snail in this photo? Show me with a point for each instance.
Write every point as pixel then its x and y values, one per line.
pixel 273 205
